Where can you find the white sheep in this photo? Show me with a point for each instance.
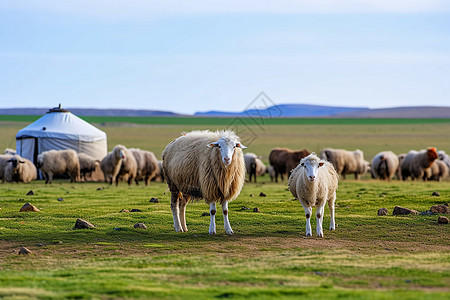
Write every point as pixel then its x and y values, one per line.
pixel 55 162
pixel 254 166
pixel 384 165
pixel 444 157
pixel 119 164
pixel 88 164
pixel 416 163
pixel 20 169
pixel 314 182
pixel 438 171
pixel 346 162
pixel 147 165
pixel 204 165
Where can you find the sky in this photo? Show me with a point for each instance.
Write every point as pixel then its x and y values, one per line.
pixel 190 56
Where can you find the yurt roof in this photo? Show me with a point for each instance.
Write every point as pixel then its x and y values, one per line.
pixel 62 124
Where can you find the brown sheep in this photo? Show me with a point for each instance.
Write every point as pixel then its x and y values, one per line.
pixel 147 165
pixel 416 162
pixel 284 160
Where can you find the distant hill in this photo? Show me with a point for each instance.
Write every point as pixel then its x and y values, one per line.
pixel 92 112
pixel 287 111
pixel 415 112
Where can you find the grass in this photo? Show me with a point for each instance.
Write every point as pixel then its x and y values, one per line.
pixel 367 257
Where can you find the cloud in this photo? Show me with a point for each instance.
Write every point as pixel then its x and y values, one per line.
pixel 155 8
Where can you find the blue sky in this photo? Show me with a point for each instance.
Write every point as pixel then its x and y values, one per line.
pixel 188 56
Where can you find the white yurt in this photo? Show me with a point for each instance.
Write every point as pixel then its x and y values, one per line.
pixel 59 129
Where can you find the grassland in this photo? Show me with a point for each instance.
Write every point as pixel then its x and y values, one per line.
pixel 367 257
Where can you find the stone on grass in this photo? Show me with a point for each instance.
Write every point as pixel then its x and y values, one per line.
pixel 439 209
pixel 443 220
pixel 436 194
pixel 124 210
pixel 398 210
pixel 140 226
pixel 383 211
pixel 205 214
pixel 244 208
pixel 256 209
pixel 154 200
pixel 135 210
pixel 262 194
pixel 60 199
pixel 24 251
pixel 29 207
pixel 83 224
pixel 30 193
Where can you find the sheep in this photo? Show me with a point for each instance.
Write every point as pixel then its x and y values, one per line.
pixel 204 165
pixel 87 164
pixel 346 162
pixel 271 172
pixel 284 160
pixel 438 171
pixel 10 151
pixel 20 169
pixel 159 177
pixel 416 162
pixel 147 165
pixel 384 165
pixel 444 157
pixel 314 182
pixel 59 162
pixel 3 163
pixel 119 164
pixel 400 157
pixel 254 166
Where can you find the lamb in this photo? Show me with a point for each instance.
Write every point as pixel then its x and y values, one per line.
pixel 147 165
pixel 438 171
pixel 87 164
pixel 416 162
pixel 254 166
pixel 314 182
pixel 20 169
pixel 204 165
pixel 54 162
pixel 384 165
pixel 3 163
pixel 119 164
pixel 346 162
pixel 284 160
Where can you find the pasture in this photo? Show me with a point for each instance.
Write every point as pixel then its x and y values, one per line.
pixel 367 257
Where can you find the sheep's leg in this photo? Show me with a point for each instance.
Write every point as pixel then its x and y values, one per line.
pixel 226 221
pixel 319 218
pixel 331 206
pixel 182 207
pixel 212 224
pixel 174 200
pixel 308 213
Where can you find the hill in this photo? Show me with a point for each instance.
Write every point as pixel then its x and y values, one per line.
pixel 92 112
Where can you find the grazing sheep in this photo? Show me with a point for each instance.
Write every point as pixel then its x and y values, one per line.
pixel 254 166
pixel 10 151
pixel 147 165
pixel 88 164
pixel 444 157
pixel 400 157
pixel 284 160
pixel 314 182
pixel 3 163
pixel 204 165
pixel 384 165
pixel 20 169
pixel 59 162
pixel 438 171
pixel 119 164
pixel 416 162
pixel 346 162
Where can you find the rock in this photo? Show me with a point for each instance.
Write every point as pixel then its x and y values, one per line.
pixel 83 224
pixel 262 194
pixel 256 209
pixel 439 209
pixel 205 214
pixel 251 195
pixel 135 210
pixel 154 200
pixel 124 210
pixel 244 208
pixel 30 193
pixel 426 213
pixel 100 188
pixel 403 211
pixel 60 199
pixel 382 212
pixel 24 251
pixel 29 207
pixel 442 220
pixel 436 194
pixel 140 226
pixel 117 229
pixel 21 199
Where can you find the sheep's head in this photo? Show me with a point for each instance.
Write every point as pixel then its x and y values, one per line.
pixel 15 162
pixel 432 154
pixel 226 147
pixel 311 163
pixel 119 152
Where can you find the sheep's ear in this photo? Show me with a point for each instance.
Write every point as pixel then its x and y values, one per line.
pixel 10 160
pixel 239 145
pixel 321 164
pixel 22 161
pixel 212 145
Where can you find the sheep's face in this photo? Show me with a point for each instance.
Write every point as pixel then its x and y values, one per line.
pixel 226 147
pixel 15 162
pixel 311 168
pixel 120 153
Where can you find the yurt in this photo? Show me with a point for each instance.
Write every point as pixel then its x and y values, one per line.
pixel 60 129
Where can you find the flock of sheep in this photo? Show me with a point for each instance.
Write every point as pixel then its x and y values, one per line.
pixel 211 166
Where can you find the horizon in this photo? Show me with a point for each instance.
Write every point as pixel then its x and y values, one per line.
pixel 204 56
